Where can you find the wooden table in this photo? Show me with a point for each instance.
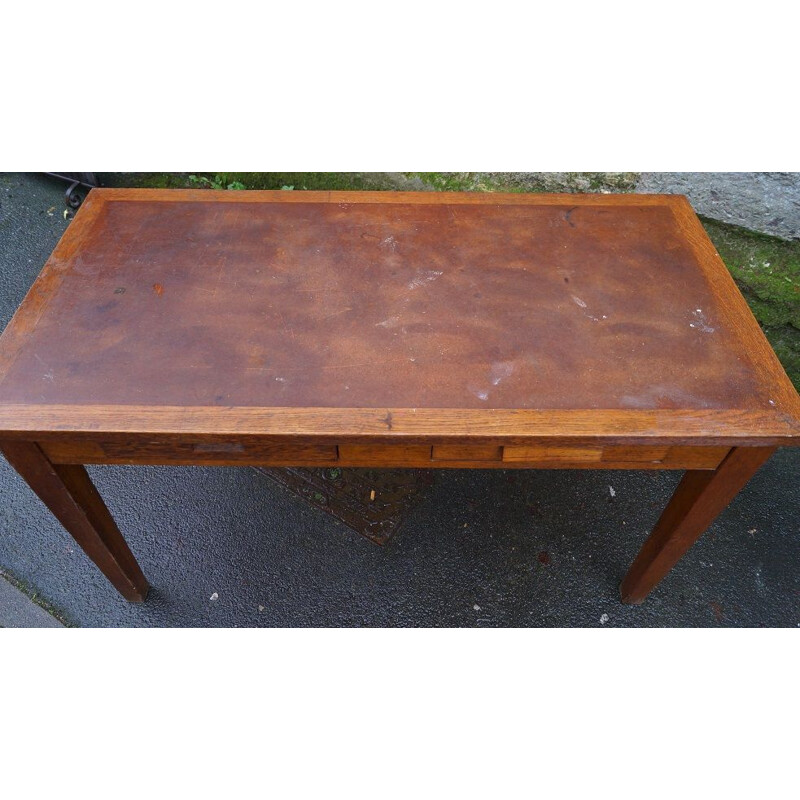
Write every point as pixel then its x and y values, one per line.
pixel 389 329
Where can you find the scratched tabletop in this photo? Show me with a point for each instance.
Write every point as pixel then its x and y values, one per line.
pixel 216 299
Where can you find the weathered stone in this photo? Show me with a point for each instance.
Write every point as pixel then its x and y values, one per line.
pixel 768 202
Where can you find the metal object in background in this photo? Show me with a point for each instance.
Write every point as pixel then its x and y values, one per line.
pixel 79 185
pixel 373 502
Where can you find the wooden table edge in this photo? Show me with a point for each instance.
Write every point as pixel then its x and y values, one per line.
pixel 736 427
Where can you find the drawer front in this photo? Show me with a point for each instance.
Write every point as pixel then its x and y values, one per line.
pixel 215 452
pixel 537 452
pixel 384 455
pixel 467 452
pixel 617 456
pixel 587 453
pixel 254 451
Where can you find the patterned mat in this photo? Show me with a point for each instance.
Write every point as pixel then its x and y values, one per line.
pixel 373 502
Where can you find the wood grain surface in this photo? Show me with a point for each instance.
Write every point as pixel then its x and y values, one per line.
pixel 391 315
pixel 698 499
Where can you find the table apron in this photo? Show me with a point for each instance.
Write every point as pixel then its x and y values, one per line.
pixel 251 451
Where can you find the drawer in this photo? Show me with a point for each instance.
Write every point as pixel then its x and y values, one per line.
pixel 467 452
pixel 252 450
pixel 536 452
pixel 214 452
pixel 388 455
pixel 588 453
pixel 617 456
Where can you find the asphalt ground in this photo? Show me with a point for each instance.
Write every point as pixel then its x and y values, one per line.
pixel 227 547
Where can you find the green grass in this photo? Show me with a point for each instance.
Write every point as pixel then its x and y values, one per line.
pixel 767 270
pixel 326 181
pixel 145 180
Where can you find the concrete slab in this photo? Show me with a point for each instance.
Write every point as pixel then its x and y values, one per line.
pixel 17 610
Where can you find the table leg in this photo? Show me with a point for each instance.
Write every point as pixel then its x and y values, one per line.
pixel 700 497
pixel 69 493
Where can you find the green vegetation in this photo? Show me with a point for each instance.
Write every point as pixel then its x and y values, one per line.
pixel 325 181
pixel 145 180
pixel 217 182
pixel 785 342
pixel 527 181
pixel 767 270
pixel 366 181
pixel 462 182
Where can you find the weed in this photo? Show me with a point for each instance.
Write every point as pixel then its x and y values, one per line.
pixel 219 181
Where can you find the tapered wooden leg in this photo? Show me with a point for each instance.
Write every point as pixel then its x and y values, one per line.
pixel 700 496
pixel 68 492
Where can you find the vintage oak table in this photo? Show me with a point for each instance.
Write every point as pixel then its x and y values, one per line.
pixel 389 329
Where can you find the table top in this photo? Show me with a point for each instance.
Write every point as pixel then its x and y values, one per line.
pixel 393 315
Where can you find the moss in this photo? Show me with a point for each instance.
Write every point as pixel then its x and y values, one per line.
pixel 785 341
pixel 528 181
pixel 566 181
pixel 462 182
pixel 372 181
pixel 145 180
pixel 767 270
pixel 326 181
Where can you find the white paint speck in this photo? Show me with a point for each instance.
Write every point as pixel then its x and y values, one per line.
pixel 425 277
pixel 261 608
pixel 500 370
pixel 604 618
pixel 214 596
pixel 388 323
pixel 611 490
pixel 581 304
pixel 700 322
pixel 480 393
pixel 281 380
pixel 476 607
pixel 772 402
